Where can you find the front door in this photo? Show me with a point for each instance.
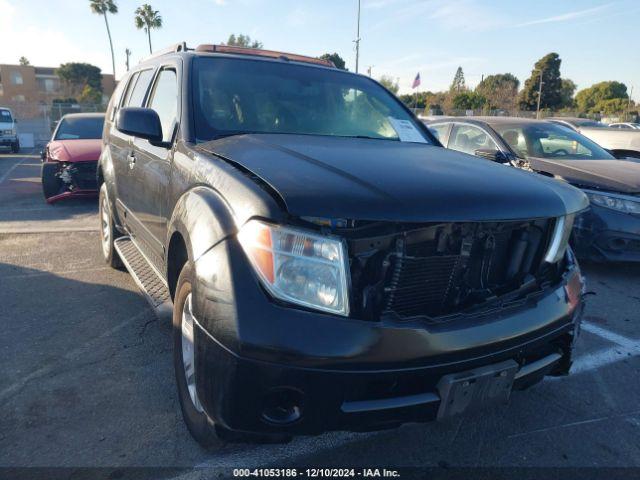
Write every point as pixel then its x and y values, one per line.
pixel 123 152
pixel 152 167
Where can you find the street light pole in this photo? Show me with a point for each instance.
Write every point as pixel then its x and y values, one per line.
pixel 357 40
pixel 539 96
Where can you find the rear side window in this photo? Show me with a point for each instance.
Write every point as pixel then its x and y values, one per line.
pixel 165 101
pixel 138 88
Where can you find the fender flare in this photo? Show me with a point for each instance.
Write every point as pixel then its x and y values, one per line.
pixel 203 218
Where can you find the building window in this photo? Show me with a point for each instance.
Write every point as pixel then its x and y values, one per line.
pixel 47 85
pixel 18 98
pixel 16 78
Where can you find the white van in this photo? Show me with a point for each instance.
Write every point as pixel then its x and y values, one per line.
pixel 8 134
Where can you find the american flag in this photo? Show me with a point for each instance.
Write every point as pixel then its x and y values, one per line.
pixel 416 82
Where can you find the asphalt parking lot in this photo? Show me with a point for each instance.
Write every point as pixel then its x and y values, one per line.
pixel 86 378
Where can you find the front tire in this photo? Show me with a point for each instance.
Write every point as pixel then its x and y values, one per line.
pixel 108 231
pixel 50 182
pixel 198 423
pixel 15 146
pixel 201 427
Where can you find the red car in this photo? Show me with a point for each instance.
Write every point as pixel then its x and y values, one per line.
pixel 71 157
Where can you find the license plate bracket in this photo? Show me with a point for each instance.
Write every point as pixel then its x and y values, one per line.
pixel 474 389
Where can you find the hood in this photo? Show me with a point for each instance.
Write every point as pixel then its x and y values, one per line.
pixel 75 150
pixel 368 179
pixel 613 175
pixel 6 125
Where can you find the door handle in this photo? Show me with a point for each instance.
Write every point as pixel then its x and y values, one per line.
pixel 132 161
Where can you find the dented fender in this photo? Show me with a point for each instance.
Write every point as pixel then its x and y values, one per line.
pixel 203 219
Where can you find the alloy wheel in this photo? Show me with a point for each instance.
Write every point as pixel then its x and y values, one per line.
pixel 188 352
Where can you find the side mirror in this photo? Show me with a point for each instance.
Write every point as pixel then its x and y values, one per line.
pixel 15 120
pixel 491 154
pixel 140 122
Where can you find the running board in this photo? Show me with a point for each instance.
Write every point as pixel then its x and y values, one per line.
pixel 152 285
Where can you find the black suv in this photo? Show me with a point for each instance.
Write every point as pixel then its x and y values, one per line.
pixel 329 265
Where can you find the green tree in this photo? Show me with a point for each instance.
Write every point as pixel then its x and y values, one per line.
pixel 590 100
pixel 147 18
pixel 337 60
pixel 551 84
pixel 611 106
pixel 102 7
pixel 243 41
pixel 75 76
pixel 90 95
pixel 567 90
pixel 390 84
pixel 24 61
pixel 500 90
pixel 458 85
pixel 468 101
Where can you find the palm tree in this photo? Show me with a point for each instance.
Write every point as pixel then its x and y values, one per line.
pixel 148 18
pixel 102 7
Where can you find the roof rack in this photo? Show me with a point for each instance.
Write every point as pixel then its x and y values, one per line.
pixel 258 52
pixel 178 47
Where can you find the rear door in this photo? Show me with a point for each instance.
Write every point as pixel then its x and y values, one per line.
pixel 153 165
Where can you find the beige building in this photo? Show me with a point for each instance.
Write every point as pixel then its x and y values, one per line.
pixel 37 85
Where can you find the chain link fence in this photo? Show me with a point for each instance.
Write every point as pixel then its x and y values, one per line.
pixel 36 121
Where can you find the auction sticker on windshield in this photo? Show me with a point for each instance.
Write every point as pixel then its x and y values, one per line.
pixel 407 131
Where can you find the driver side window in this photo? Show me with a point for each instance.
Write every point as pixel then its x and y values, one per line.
pixel 469 138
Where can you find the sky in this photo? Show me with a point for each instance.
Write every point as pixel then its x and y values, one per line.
pixel 597 39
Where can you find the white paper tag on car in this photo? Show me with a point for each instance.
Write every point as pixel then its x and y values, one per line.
pixel 407 132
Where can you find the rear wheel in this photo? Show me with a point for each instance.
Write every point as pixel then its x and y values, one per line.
pixel 50 182
pixel 108 232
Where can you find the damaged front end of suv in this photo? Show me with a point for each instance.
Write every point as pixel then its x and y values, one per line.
pixel 393 311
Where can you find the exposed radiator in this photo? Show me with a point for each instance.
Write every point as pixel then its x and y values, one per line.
pixel 419 285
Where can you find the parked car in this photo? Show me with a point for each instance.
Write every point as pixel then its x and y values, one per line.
pixel 8 133
pixel 70 158
pixel 622 143
pixel 329 265
pixel 610 230
pixel 576 123
pixel 625 126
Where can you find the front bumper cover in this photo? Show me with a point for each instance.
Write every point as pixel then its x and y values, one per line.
pixel 255 358
pixel 603 234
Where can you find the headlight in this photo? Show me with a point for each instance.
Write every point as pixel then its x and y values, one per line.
pixel 298 266
pixel 559 238
pixel 614 202
pixel 7 132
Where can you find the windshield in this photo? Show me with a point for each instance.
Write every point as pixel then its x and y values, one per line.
pixel 5 116
pixel 80 128
pixel 235 96
pixel 548 140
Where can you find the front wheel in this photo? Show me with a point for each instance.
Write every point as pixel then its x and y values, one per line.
pixel 108 231
pixel 198 423
pixel 201 427
pixel 15 146
pixel 51 184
